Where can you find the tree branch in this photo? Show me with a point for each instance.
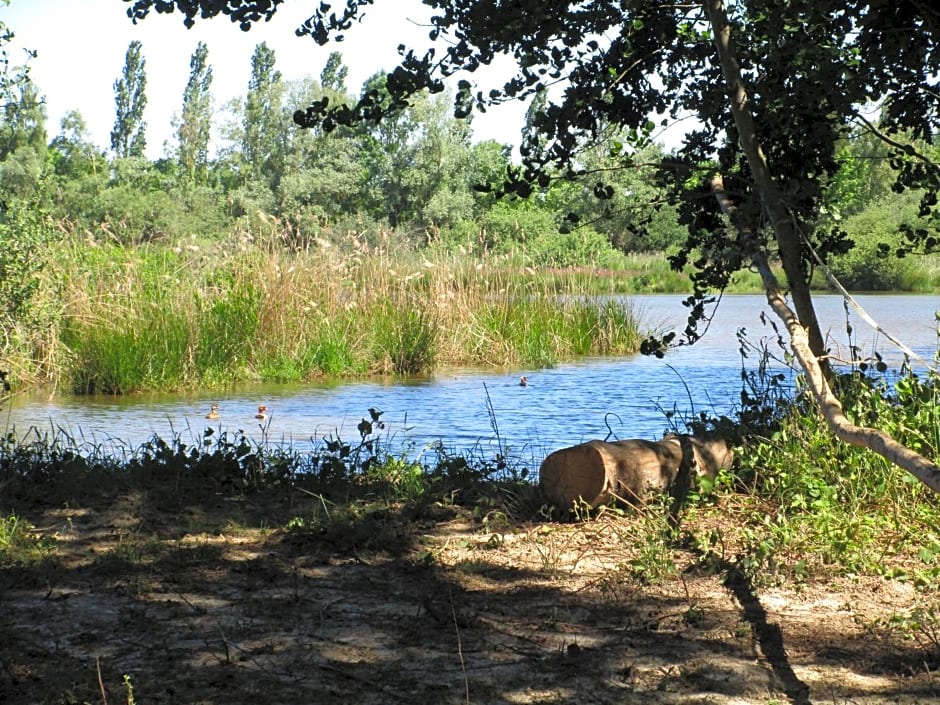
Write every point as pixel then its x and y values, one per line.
pixel 873 439
pixel 787 240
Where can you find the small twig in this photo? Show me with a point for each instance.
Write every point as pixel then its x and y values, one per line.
pixel 104 695
pixel 610 431
pixel 491 412
pixel 463 666
pixel 228 653
pixel 319 496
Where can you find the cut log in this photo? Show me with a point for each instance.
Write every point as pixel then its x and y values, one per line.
pixel 598 472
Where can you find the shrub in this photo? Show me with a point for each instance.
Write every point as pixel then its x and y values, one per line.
pixel 864 267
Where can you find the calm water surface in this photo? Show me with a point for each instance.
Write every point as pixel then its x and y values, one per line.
pixel 567 404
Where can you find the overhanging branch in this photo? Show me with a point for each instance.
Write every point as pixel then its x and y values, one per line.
pixel 871 438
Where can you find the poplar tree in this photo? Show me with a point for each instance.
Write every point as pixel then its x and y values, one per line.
pixel 333 76
pixel 265 125
pixel 128 137
pixel 196 119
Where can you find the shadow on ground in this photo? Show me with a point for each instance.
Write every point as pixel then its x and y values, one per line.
pixel 216 602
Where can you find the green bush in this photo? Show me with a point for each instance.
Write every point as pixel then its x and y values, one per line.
pixel 865 267
pixel 25 233
pixel 512 225
pixel 583 247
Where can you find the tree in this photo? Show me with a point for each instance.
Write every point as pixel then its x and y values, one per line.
pixel 773 86
pixel 413 155
pixel 389 154
pixel 23 119
pixel 74 153
pixel 322 183
pixel 196 119
pixel 22 135
pixel 129 135
pixel 333 76
pixel 264 124
pixel 22 111
pixel 24 228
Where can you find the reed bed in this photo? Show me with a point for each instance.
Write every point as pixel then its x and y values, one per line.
pixel 153 317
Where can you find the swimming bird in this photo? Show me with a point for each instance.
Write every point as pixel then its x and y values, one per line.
pixel 213 412
pixel 523 382
pixel 262 412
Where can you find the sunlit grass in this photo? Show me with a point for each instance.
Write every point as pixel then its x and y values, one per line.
pixel 160 318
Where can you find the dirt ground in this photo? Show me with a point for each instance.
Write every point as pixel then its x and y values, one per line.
pixel 207 606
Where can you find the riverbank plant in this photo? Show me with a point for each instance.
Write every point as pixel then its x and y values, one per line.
pixel 805 502
pixel 119 318
pixel 146 318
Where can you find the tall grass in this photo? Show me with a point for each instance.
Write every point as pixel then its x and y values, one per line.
pixel 159 318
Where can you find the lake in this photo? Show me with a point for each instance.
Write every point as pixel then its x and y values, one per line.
pixel 569 403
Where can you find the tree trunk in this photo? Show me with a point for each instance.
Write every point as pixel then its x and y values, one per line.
pixel 598 472
pixel 788 240
pixel 817 381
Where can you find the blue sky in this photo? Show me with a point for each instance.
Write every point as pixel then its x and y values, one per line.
pixel 81 46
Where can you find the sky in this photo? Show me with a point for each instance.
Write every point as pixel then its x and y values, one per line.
pixel 81 45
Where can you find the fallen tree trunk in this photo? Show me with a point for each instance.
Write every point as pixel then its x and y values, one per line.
pixel 598 472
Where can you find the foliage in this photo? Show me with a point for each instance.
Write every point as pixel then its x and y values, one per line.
pixel 406 335
pixel 129 135
pixel 333 183
pixel 864 176
pixel 832 504
pixel 225 463
pixel 25 235
pixel 73 155
pixel 919 625
pixel 172 471
pixel 196 117
pixel 22 126
pixel 867 267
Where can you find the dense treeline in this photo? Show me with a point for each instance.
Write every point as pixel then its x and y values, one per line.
pixel 119 270
pixel 414 173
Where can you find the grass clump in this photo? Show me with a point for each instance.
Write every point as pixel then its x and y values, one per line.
pixel 147 318
pixel 21 545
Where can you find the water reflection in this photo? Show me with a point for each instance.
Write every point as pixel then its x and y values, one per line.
pixel 485 411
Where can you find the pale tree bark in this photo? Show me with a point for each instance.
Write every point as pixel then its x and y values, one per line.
pixel 788 240
pixel 802 326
